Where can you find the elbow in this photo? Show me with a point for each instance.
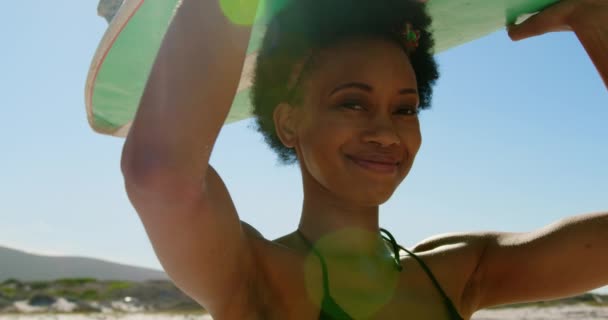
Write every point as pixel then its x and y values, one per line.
pixel 153 179
pixel 139 171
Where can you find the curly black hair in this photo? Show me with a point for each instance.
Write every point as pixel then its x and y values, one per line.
pixel 303 26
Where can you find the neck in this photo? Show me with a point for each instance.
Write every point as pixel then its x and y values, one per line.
pixel 339 228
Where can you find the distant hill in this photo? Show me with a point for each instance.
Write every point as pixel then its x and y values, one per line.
pixel 24 266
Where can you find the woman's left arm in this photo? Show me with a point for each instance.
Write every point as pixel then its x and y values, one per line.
pixel 563 259
pixel 587 18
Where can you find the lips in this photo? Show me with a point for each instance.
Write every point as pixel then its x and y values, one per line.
pixel 377 163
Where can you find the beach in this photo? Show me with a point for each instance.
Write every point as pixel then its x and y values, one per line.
pixel 565 312
pixel 107 316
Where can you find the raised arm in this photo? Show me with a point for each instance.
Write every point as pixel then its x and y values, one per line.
pixel 182 202
pixel 563 259
pixel 587 18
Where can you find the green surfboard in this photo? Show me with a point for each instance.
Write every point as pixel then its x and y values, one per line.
pixel 124 58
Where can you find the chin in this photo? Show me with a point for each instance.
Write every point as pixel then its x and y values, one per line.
pixel 370 197
pixel 368 192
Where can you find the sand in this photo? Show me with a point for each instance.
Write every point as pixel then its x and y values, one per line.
pixel 566 312
pixel 570 312
pixel 106 316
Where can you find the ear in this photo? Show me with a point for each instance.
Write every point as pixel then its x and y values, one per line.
pixel 284 117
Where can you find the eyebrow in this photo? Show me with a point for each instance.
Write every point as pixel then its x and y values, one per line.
pixel 368 88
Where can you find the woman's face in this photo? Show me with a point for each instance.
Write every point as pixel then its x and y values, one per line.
pixel 357 132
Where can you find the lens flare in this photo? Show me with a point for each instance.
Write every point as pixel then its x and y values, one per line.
pixel 242 12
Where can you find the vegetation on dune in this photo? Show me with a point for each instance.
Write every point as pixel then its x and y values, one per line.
pixel 74 282
pixel 92 295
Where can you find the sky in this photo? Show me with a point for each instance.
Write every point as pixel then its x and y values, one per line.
pixel 515 140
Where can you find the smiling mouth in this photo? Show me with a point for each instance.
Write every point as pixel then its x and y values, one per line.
pixel 376 166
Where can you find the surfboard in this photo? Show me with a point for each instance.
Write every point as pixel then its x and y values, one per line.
pixel 125 56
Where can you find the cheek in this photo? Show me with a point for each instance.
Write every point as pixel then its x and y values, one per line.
pixel 416 142
pixel 320 148
pixel 320 143
pixel 411 135
pixel 412 140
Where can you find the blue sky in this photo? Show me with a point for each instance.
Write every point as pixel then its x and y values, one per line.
pixel 516 139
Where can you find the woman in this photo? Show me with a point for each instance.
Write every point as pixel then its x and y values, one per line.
pixel 338 91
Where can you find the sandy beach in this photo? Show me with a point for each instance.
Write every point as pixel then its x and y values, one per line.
pixel 566 312
pixel 569 312
pixel 106 316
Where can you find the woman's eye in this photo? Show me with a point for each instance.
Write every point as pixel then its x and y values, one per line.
pixel 354 105
pixel 408 111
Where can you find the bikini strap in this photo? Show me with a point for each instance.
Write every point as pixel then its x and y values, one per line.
pixel 323 264
pixel 426 269
pixel 395 246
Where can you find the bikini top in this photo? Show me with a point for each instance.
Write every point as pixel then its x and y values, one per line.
pixel 330 310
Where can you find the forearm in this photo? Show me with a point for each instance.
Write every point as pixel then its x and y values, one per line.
pixel 189 93
pixel 593 35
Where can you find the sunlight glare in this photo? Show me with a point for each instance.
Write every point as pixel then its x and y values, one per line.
pixel 242 12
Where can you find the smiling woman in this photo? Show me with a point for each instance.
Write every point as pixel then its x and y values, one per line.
pixel 337 89
pixel 367 129
pixel 296 45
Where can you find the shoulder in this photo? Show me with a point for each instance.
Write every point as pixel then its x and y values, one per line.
pixel 455 261
pixel 469 240
pixel 251 231
pixel 278 274
pixel 280 286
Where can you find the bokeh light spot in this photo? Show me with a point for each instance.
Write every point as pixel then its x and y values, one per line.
pixel 242 12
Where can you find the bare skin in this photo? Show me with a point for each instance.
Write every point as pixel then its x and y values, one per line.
pixel 355 137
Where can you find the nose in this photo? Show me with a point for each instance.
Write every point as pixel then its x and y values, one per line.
pixel 382 131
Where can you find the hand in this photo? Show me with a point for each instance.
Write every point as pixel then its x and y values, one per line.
pixel 566 15
pixel 587 18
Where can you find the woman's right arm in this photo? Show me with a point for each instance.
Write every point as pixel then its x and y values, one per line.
pixel 182 202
